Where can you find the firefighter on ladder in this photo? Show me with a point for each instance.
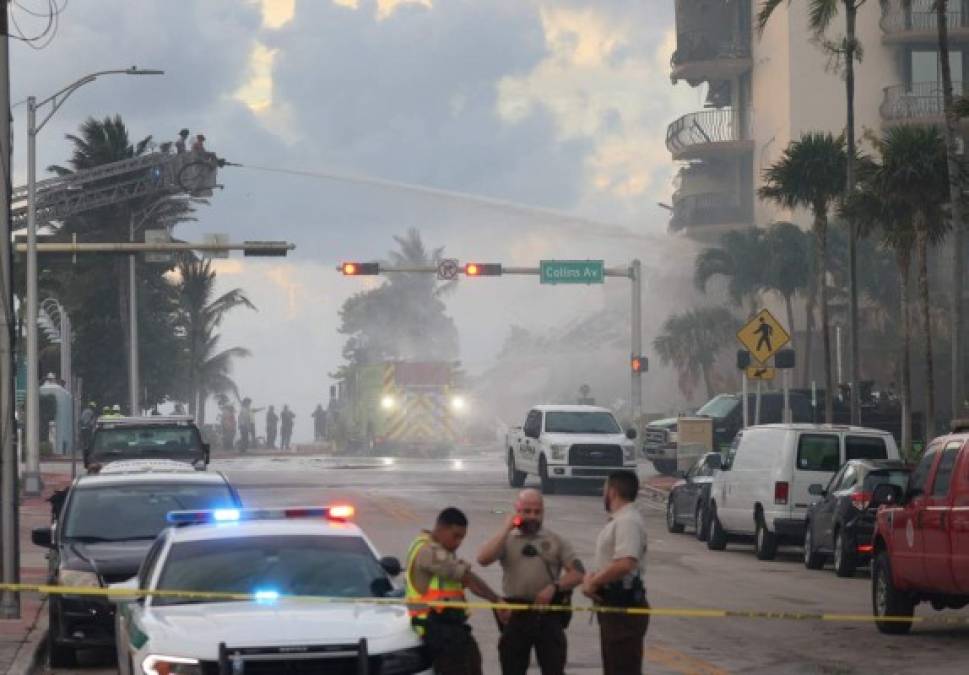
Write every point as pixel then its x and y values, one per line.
pixel 434 573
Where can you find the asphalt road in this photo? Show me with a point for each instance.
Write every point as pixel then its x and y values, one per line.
pixel 395 500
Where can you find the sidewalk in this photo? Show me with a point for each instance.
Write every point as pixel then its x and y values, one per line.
pixel 21 638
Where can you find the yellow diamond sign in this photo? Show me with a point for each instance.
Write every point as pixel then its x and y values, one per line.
pixel 763 336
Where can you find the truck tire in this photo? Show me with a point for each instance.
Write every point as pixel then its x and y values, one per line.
pixel 548 483
pixel 812 559
pixel 886 600
pixel 717 540
pixel 765 541
pixel 701 521
pixel 516 478
pixel 671 525
pixel 845 561
pixel 58 655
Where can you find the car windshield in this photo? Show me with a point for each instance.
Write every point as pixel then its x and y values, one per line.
pixel 897 477
pixel 330 566
pixel 125 512
pixel 719 406
pixel 146 442
pixel 581 423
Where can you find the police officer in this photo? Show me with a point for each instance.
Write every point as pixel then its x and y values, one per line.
pixel 435 573
pixel 539 568
pixel 618 579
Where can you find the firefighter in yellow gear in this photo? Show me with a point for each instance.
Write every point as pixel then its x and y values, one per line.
pixel 435 574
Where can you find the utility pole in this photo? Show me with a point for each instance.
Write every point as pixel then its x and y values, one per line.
pixel 9 489
pixel 636 277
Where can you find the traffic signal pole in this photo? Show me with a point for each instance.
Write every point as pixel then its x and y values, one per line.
pixel 634 273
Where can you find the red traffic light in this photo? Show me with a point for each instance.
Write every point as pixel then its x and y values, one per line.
pixel 355 269
pixel 639 364
pixel 482 269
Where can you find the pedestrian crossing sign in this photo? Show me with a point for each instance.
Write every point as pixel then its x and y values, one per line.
pixel 763 336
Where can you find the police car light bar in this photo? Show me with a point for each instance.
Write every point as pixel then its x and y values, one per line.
pixel 338 512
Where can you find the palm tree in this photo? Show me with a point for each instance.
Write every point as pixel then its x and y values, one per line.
pixel 691 340
pixel 875 209
pixel 788 268
pixel 738 258
pixel 810 174
pixel 912 181
pixel 209 368
pixel 820 15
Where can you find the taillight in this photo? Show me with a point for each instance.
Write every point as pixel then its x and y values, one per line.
pixel 860 500
pixel 865 548
pixel 781 490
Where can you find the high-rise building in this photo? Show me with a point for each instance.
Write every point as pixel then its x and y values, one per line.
pixel 764 90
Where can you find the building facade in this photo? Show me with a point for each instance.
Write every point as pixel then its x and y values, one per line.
pixel 765 90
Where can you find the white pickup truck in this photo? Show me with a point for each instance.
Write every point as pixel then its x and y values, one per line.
pixel 559 442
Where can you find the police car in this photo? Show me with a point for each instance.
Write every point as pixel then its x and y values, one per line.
pixel 265 556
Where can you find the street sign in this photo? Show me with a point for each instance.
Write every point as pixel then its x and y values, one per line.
pixel 763 336
pixel 572 272
pixel 157 237
pixel 762 373
pixel 216 239
pixel 447 269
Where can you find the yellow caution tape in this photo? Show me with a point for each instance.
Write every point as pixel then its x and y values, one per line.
pixel 683 613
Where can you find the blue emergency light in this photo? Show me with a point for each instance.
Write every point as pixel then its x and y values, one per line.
pixel 336 512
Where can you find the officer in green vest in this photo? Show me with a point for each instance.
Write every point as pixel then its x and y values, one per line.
pixel 435 574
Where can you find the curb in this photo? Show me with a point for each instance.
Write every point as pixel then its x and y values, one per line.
pixel 30 656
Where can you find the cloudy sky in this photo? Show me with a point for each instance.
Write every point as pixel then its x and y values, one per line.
pixel 558 105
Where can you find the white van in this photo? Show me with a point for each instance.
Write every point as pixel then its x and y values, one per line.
pixel 763 487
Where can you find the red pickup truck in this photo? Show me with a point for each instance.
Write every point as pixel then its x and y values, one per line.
pixel 921 540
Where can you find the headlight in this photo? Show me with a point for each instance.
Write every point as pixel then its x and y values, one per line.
pixel 170 665
pixel 559 451
pixel 629 452
pixel 388 403
pixel 458 403
pixel 404 661
pixel 78 578
pixel 673 437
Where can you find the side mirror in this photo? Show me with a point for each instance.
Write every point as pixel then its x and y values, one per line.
pixel 912 493
pixel 885 494
pixel 42 536
pixel 816 489
pixel 130 585
pixel 391 565
pixel 381 588
pixel 681 474
pixel 207 452
pixel 631 434
pixel 715 462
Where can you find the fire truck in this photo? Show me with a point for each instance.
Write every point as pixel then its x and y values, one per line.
pixel 402 408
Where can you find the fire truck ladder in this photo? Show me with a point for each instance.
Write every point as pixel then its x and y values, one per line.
pixel 154 174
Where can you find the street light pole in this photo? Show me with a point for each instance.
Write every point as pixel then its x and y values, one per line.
pixel 32 482
pixel 134 366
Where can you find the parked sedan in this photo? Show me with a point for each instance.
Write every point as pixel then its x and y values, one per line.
pixel 687 503
pixel 840 524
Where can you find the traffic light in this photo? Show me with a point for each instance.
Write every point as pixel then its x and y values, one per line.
pixel 639 364
pixel 356 269
pixel 473 269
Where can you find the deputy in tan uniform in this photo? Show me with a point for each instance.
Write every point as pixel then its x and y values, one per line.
pixel 436 574
pixel 539 568
pixel 618 578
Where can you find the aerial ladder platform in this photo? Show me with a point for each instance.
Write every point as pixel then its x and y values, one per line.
pixel 155 174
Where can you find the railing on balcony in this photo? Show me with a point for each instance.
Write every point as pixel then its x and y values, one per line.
pixel 708 208
pixel 921 18
pixel 912 102
pixel 700 45
pixel 718 125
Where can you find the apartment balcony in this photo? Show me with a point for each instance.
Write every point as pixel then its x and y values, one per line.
pixel 920 25
pixel 706 215
pixel 917 103
pixel 718 132
pixel 703 55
